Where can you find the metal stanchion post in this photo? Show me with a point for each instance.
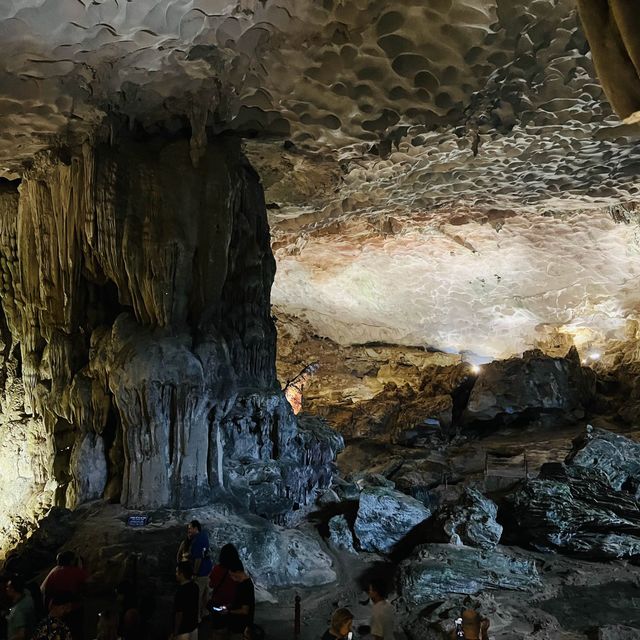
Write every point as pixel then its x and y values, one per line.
pixel 296 620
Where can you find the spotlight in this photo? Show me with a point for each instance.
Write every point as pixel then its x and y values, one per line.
pixel 594 356
pixel 475 368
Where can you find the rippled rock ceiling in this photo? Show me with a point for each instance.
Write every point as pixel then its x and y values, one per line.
pixel 445 174
pixel 468 170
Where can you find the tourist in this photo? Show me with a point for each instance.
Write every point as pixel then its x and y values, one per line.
pixel 382 615
pixel 222 587
pixel 21 618
pixel 129 618
pixel 53 626
pixel 67 580
pixel 242 609
pixel 185 605
pixel 341 623
pixel 474 626
pixel 200 558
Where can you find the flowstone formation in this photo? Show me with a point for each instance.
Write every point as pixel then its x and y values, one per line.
pixel 139 351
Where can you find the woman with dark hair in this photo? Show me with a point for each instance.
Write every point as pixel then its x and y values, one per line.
pixel 222 587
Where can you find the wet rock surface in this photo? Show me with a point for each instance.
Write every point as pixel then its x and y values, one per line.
pixel 433 571
pixel 575 507
pixel 385 517
pixel 469 521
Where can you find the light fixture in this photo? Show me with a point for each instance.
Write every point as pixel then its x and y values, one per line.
pixel 475 368
pixel 594 356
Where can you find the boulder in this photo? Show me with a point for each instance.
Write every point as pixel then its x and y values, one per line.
pixel 532 385
pixel 615 456
pixel 613 632
pixel 274 556
pixel 434 571
pixel 574 509
pixel 470 521
pixel 340 534
pixel 385 516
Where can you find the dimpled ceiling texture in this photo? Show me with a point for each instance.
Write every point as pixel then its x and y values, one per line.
pixel 452 176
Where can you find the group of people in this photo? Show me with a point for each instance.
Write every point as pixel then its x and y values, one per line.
pixel 52 611
pixel 223 593
pixel 470 626
pixel 382 617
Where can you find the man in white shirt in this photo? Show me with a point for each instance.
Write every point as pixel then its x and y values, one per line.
pixel 382 616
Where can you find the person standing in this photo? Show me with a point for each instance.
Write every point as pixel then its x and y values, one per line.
pixel 382 615
pixel 67 581
pixel 201 563
pixel 21 618
pixel 341 623
pixel 242 609
pixel 185 605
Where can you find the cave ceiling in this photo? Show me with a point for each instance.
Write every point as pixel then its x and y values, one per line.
pixel 445 174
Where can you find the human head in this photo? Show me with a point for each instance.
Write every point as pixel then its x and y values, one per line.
pixel 184 572
pixel 193 528
pixel 236 570
pixel 228 556
pixel 15 588
pixel 341 622
pixel 471 620
pixel 377 590
pixel 65 558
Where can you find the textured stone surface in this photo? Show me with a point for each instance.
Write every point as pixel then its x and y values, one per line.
pixel 136 288
pixel 574 509
pixel 277 557
pixel 433 571
pixel 385 516
pixel 470 521
pixel 536 383
pixel 340 534
pixel 611 454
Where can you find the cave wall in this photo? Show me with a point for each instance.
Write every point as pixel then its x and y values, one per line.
pixel 136 291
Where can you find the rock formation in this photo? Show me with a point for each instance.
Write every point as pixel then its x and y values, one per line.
pixel 532 385
pixel 138 333
pixel 434 570
pixel 586 506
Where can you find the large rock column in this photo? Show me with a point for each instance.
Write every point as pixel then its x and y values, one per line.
pixel 138 290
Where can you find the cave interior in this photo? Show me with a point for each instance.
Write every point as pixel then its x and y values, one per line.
pixel 354 283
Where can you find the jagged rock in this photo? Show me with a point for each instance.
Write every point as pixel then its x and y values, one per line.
pixel 340 534
pixel 532 385
pixel 617 457
pixel 574 509
pixel 434 571
pixel 147 341
pixel 470 521
pixel 276 557
pixel 613 632
pixel 385 516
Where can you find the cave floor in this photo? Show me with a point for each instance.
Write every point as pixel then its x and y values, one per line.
pixel 575 594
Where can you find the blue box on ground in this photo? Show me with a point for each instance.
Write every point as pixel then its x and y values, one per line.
pixel 137 521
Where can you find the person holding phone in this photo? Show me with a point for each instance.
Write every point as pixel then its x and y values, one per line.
pixel 241 611
pixel 340 628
